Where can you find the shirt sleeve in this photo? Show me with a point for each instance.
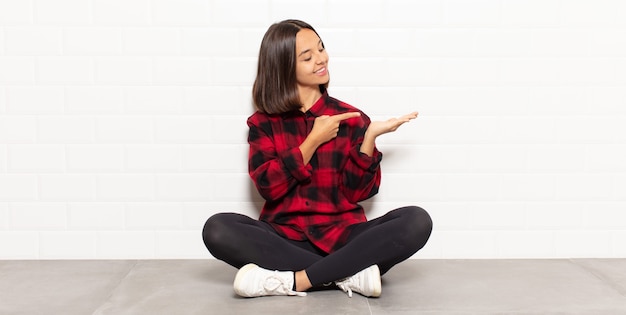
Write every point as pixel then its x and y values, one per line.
pixel 273 173
pixel 361 177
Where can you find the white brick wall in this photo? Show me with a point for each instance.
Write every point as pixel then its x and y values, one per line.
pixel 122 122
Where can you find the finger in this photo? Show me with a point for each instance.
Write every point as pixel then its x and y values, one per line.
pixel 345 116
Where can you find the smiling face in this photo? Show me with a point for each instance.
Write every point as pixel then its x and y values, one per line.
pixel 311 60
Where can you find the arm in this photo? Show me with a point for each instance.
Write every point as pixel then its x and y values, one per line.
pixel 274 174
pixel 362 172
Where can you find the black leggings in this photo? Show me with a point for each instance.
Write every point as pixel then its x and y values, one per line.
pixel 385 241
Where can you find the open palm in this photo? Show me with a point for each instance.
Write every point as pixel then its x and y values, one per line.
pixel 377 128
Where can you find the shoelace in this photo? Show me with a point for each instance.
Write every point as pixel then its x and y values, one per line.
pixel 345 286
pixel 279 283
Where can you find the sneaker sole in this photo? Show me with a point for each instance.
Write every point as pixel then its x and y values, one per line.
pixel 239 278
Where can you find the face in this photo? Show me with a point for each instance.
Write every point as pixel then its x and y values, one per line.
pixel 311 60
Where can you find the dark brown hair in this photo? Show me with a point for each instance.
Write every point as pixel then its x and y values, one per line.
pixel 275 88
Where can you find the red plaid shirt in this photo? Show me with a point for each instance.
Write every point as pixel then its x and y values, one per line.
pixel 317 201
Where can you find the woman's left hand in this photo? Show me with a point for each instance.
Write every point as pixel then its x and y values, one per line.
pixel 377 128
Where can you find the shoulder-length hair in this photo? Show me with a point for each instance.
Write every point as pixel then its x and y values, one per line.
pixel 275 88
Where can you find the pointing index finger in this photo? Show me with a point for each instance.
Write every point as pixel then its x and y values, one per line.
pixel 345 116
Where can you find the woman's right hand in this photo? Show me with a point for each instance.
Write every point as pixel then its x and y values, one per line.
pixel 325 128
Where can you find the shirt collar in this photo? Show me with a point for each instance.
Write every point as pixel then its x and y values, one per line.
pixel 319 106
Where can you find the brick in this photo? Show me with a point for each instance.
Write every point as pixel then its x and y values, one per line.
pixel 65 70
pixel 181 245
pixel 472 187
pixel 494 158
pixel 387 43
pixel 439 43
pixel 18 187
pixel 66 129
pixel 153 216
pixel 18 129
pixel 38 216
pixel 215 158
pixel 95 158
pixel 229 13
pixel 283 9
pixel 605 215
pixel 94 99
pixel 531 13
pixel 124 129
pixel 33 41
pixel 233 71
pixel 211 41
pixel 123 70
pixel 126 187
pixel 153 158
pixel 607 100
pixel 185 187
pixel 16 12
pixel 468 244
pixel 583 187
pixel 231 187
pixel 413 13
pixel 182 71
pixel 479 13
pixel 525 244
pixel 154 100
pixel 35 99
pixel 575 244
pixel 122 12
pixel 126 245
pixel 228 130
pixel 62 12
pixel 185 12
pixel 542 215
pixel 67 187
pixel 29 158
pixel 4 215
pixel 151 41
pixel 186 129
pixel 96 216
pixel 17 70
pixel 528 187
pixel 580 13
pixel 92 41
pixel 606 158
pixel 618 243
pixel 555 158
pixel 68 245
pixel 409 188
pixel 558 101
pixel 19 245
pixel 363 13
pixel 217 100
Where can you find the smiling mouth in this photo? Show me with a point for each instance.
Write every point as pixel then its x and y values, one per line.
pixel 321 70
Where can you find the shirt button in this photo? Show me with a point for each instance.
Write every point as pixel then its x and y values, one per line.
pixel 306 203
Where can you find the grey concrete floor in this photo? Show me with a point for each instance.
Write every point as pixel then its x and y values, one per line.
pixel 579 286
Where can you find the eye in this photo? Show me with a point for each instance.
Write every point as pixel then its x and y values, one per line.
pixel 307 59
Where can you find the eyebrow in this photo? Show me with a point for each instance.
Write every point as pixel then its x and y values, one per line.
pixel 307 50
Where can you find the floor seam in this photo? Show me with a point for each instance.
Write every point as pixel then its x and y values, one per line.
pixel 119 283
pixel 600 277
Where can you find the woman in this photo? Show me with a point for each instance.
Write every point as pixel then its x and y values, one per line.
pixel 312 158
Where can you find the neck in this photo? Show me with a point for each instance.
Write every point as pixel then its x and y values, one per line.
pixel 308 97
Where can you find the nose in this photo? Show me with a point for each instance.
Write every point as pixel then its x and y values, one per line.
pixel 320 58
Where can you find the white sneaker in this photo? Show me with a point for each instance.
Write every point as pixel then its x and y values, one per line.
pixel 366 282
pixel 253 281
